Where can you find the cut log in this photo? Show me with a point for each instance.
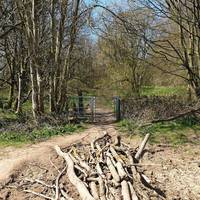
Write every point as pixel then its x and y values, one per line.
pixel 121 170
pixel 99 171
pixel 132 191
pixel 125 190
pixel 102 189
pixel 115 155
pixel 142 146
pixel 113 170
pixel 94 190
pixel 116 192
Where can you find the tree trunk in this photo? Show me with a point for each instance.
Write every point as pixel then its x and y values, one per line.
pixel 65 74
pixel 54 34
pixel 51 95
pixel 12 67
pixel 34 86
pixel 40 92
pixel 19 96
pixel 11 91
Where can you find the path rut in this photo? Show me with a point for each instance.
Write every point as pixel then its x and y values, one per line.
pixel 11 158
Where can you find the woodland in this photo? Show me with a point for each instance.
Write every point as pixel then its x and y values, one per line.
pixel 99 100
pixel 50 50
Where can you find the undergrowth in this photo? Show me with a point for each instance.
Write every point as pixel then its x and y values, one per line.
pixel 177 132
pixel 7 115
pixel 162 91
pixel 12 138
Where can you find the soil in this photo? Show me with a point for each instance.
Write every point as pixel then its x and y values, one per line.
pixel 175 171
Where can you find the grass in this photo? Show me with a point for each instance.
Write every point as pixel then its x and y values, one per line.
pixel 4 93
pixel 162 91
pixel 154 91
pixel 178 132
pixel 12 138
pixel 7 115
pixel 107 103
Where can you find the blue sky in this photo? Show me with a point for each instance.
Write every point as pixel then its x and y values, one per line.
pixel 105 2
pixel 110 2
pixel 114 5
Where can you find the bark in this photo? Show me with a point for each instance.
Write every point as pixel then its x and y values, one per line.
pixel 186 113
pixel 52 107
pixel 142 146
pixel 125 190
pixel 30 16
pixel 52 90
pixel 96 184
pixel 113 170
pixel 94 190
pixel 102 189
pixel 132 191
pixel 11 91
pixel 66 72
pixel 40 92
pixel 60 86
pixel 83 191
pixel 19 96
pixel 10 59
pixel 34 86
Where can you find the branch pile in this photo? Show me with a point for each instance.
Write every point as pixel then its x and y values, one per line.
pixel 103 170
pixel 157 109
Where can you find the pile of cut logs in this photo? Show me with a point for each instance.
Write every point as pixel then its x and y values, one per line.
pixel 105 169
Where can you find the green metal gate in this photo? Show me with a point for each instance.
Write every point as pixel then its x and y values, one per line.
pixel 81 108
pixel 117 108
pixel 94 109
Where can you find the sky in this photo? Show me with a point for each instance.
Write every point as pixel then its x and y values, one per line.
pixel 122 3
pixel 111 4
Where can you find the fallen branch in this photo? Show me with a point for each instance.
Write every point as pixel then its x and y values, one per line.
pixel 103 170
pixel 57 182
pixel 142 146
pixel 192 111
pixel 80 186
pixel 38 194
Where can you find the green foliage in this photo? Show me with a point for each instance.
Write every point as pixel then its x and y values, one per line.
pixel 127 126
pixel 177 132
pixel 162 91
pixel 27 106
pixel 7 115
pixel 3 93
pixel 151 91
pixel 8 138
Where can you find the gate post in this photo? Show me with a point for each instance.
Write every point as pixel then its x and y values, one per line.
pixel 118 108
pixel 93 108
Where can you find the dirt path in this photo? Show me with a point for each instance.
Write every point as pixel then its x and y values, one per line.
pixel 11 158
pixel 174 170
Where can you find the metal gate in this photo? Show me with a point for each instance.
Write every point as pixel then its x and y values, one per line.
pixel 94 109
pixel 81 108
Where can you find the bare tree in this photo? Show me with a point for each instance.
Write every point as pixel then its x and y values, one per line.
pixel 126 53
pixel 180 44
